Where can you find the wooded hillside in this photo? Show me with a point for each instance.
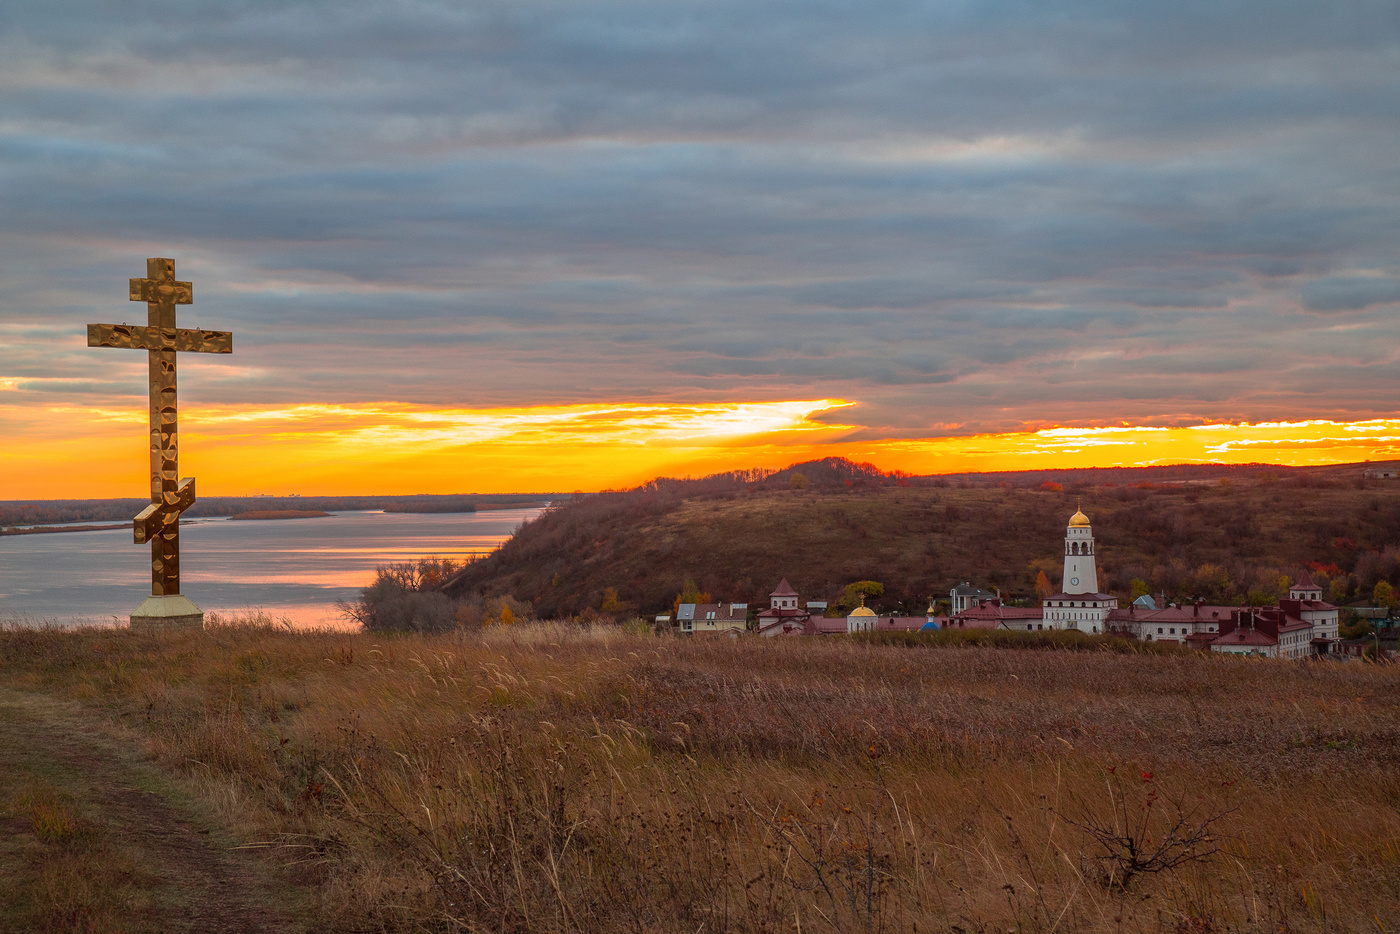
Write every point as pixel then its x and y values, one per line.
pixel 1219 533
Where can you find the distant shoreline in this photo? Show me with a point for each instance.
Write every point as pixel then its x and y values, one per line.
pixel 261 514
pixel 44 529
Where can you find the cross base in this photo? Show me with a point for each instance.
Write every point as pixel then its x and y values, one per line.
pixel 170 613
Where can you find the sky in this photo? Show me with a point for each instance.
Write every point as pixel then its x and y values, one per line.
pixel 546 245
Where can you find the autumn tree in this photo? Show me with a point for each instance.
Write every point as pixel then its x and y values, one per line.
pixel 1338 590
pixel 798 481
pixel 611 603
pixel 1212 582
pixel 1042 586
pixel 690 593
pixel 853 593
pixel 1383 594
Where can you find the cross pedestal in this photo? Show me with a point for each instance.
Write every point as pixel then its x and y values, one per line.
pixel 159 523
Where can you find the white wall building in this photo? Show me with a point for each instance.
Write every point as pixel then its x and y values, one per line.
pixel 1079 605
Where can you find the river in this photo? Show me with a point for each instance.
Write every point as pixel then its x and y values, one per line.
pixel 289 568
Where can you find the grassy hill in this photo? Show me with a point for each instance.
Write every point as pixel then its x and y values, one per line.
pixel 1214 532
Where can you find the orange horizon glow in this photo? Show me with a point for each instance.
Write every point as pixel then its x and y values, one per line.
pixel 83 452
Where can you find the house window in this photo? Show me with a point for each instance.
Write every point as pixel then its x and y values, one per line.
pixel 1159 630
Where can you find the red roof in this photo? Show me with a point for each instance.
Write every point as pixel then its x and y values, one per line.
pixel 784 612
pixel 1305 582
pixel 1245 637
pixel 991 611
pixel 1192 613
pixel 784 590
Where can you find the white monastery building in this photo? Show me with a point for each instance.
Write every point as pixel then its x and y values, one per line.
pixel 1079 605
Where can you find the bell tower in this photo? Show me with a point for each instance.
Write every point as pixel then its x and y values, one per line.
pixel 1081 574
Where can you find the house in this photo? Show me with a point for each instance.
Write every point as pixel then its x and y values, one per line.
pixel 712 619
pixel 1381 473
pixel 1305 602
pixel 1196 624
pixel 784 616
pixel 965 597
pixel 1267 631
pixel 990 614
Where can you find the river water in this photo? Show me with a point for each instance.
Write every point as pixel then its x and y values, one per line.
pixel 289 568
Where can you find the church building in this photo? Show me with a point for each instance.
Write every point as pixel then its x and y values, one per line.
pixel 1079 605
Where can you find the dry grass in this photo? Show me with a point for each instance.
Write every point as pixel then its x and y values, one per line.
pixel 67 876
pixel 551 778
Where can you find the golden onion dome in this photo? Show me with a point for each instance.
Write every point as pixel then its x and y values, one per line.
pixel 1078 520
pixel 862 611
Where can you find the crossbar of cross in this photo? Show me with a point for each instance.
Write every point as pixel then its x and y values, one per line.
pixel 159 523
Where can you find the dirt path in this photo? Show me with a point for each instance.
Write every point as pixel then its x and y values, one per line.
pixel 93 838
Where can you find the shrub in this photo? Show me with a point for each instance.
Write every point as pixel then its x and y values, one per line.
pixel 404 598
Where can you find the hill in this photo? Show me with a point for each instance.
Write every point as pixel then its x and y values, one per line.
pixel 1215 532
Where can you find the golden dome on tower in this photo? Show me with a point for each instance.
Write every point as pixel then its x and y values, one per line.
pixel 1078 520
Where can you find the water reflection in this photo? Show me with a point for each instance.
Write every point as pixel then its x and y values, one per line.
pixel 294 568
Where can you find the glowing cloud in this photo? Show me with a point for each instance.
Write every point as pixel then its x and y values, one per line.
pixel 77 452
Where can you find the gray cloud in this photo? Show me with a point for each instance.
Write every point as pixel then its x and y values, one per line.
pixel 1350 293
pixel 972 212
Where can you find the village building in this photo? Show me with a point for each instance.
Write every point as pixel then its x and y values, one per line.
pixel 1197 624
pixel 783 615
pixel 965 596
pixel 990 614
pixel 712 619
pixel 1266 631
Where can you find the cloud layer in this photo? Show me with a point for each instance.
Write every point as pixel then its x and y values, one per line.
pixel 967 217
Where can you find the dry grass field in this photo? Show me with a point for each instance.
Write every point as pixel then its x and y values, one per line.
pixel 547 778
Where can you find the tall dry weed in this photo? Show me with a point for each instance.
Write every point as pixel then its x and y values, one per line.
pixel 557 778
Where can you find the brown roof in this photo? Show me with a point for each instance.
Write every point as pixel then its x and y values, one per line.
pixel 992 610
pixel 1305 582
pixel 788 612
pixel 1245 637
pixel 724 612
pixel 1208 613
pixel 784 590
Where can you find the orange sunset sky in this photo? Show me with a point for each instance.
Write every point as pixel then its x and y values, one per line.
pixel 362 449
pixel 542 247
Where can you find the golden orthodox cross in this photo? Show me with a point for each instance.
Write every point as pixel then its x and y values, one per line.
pixel 159 523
